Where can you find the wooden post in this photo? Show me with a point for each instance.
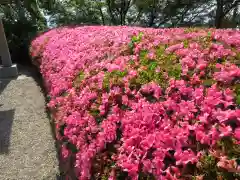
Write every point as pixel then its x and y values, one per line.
pixel 7 69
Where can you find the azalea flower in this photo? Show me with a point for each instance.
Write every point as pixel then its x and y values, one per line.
pixel 103 104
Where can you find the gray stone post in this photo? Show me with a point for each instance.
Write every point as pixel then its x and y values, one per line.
pixel 7 69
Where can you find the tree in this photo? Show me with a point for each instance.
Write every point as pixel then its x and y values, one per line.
pixel 118 10
pixel 72 12
pixel 223 8
pixel 22 20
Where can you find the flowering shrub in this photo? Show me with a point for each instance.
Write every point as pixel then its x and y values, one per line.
pixel 135 103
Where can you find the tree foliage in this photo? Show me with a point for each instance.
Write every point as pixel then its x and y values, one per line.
pixel 22 20
pixel 148 13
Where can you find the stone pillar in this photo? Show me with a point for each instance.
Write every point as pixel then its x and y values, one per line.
pixel 7 69
pixel 4 52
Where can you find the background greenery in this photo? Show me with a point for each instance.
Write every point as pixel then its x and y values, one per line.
pixel 24 19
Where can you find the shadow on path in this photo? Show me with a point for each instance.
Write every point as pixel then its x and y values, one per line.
pixel 3 84
pixel 6 120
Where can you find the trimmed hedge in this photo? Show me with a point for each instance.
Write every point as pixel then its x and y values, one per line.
pixel 135 103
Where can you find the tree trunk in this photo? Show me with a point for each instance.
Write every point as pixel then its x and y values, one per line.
pixel 152 15
pixel 102 16
pixel 113 19
pixel 219 14
pixel 122 11
pixel 234 17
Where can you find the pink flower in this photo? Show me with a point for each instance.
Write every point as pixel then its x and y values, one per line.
pixel 165 115
pixel 174 47
pixel 237 133
pixel 188 62
pixel 147 166
pixel 201 66
pixel 112 175
pixel 131 168
pixel 185 157
pixel 204 118
pixel 147 143
pixel 113 67
pixel 225 131
pixel 133 73
pixel 227 73
pixel 102 109
pixel 200 177
pixel 65 152
pixel 152 87
pixel 125 100
pixel 151 55
pixel 158 69
pixel 223 76
pixel 230 165
pixel 194 45
pixel 202 137
pixel 195 79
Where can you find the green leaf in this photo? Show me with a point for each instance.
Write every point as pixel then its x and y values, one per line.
pixel 186 43
pixel 120 73
pixel 81 75
pixel 160 51
pixel 48 98
pixel 106 81
pixel 131 62
pixel 175 71
pixel 72 147
pixel 134 38
pixel 238 161
pixel 143 59
pixel 208 82
pixel 64 94
pixel 94 112
pixel 238 100
pixel 61 129
pixel 152 66
pixel 130 45
pixel 137 38
pixel 125 107
pixel 99 119
pixel 140 35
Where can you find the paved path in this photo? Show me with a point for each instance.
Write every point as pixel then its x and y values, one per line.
pixel 27 149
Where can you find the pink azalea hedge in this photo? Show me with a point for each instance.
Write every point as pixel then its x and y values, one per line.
pixel 135 103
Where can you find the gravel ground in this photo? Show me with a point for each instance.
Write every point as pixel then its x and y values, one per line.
pixel 27 148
